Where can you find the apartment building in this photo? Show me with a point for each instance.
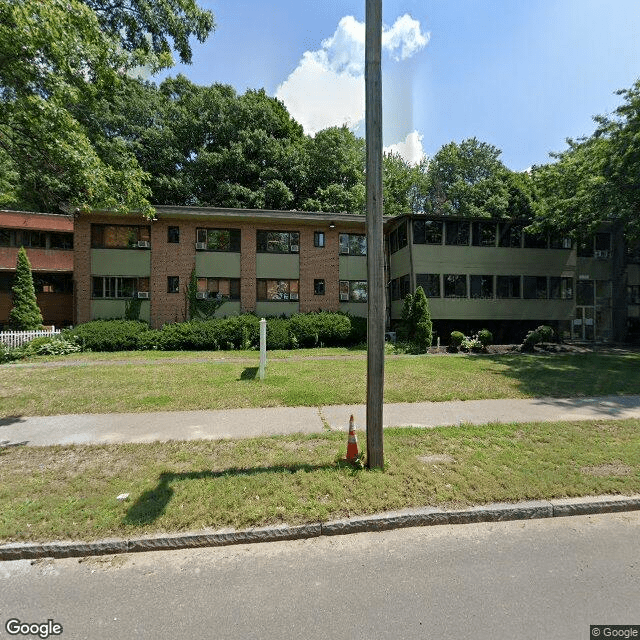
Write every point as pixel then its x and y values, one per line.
pixel 476 273
pixel 48 241
pixel 264 262
pixel 488 273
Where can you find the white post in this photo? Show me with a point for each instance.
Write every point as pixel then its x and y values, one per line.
pixel 263 347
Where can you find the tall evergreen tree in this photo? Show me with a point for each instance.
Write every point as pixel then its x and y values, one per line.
pixel 25 313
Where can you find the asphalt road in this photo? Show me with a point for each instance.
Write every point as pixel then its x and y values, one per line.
pixel 533 579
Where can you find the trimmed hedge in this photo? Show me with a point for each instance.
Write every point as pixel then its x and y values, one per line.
pixel 108 335
pixel 323 329
pixel 235 332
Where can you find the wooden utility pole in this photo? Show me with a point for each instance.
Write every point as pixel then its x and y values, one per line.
pixel 375 242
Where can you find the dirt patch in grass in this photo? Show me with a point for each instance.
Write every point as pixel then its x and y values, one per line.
pixel 609 469
pixel 436 459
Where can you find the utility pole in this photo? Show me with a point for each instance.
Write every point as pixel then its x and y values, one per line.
pixel 375 242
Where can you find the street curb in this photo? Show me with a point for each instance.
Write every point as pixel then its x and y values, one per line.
pixel 427 516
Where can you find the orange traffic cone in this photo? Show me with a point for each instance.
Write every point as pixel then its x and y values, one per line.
pixel 352 442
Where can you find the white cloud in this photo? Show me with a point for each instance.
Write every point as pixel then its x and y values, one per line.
pixel 410 149
pixel 327 86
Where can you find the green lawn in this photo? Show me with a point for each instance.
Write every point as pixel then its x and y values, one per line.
pixel 301 379
pixel 54 493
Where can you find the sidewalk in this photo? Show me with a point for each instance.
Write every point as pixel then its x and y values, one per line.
pixel 246 423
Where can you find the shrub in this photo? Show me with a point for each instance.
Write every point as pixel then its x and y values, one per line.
pixel 58 346
pixel 415 326
pixel 485 337
pixel 107 335
pixel 543 333
pixel 25 313
pixel 358 333
pixel 456 339
pixel 320 329
pixel 278 333
pixel 472 343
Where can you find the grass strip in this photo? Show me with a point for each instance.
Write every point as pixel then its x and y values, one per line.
pixel 69 492
pixel 172 386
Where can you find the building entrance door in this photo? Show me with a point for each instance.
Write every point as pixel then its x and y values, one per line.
pixel 584 324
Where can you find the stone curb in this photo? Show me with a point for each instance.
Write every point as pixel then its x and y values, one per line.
pixel 427 516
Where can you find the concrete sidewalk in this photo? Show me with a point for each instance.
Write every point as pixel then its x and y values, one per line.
pixel 246 423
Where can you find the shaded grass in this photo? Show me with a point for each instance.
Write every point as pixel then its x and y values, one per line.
pixel 173 386
pixel 69 492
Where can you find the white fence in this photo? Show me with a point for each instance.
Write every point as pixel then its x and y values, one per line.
pixel 15 339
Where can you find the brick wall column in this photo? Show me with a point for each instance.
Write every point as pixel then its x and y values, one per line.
pixel 248 269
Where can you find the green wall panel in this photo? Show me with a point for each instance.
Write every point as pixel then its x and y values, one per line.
pixel 278 265
pixel 121 262
pixel 218 264
pixel 353 268
pixel 264 309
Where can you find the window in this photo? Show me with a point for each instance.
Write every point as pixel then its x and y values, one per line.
pixel 535 240
pixel 60 240
pixel 352 244
pixel 455 285
pixel 318 287
pixel 400 287
pixel 118 287
pixel 318 238
pixel 481 287
pixel 483 233
pixel 6 282
pixel 509 234
pixel 398 238
pixel 119 236
pixel 427 232
pixel 173 235
pixel 456 232
pixel 585 248
pixel 218 239
pixel 353 290
pixel 277 290
pixel 561 288
pixel 508 286
pixel 53 282
pixel 603 242
pixel 35 239
pixel 430 283
pixel 173 284
pixel 633 294
pixel 534 287
pixel 585 293
pixel 560 242
pixel 278 241
pixel 219 288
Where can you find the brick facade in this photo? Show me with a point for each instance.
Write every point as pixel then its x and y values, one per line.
pixel 179 259
pixel 56 308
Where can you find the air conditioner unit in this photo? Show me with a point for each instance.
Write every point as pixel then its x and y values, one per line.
pixel 143 295
pixel 294 296
pixel 201 295
pixel 295 248
pixel 144 244
pixel 200 246
pixel 601 255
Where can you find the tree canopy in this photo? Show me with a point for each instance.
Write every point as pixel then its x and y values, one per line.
pixel 596 179
pixel 59 60
pixel 470 180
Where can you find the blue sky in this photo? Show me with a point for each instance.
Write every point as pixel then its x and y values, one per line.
pixel 522 75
